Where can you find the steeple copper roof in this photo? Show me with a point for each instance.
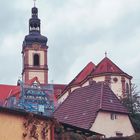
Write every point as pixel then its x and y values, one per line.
pixel 34 35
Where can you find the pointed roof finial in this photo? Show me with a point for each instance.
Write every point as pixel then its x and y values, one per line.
pixel 105 54
pixel 34 2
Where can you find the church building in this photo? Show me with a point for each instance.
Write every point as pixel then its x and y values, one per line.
pixel 105 71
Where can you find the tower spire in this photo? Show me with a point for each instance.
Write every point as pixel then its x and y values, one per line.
pixel 34 3
pixel 34 29
pixel 105 54
pixel 35 47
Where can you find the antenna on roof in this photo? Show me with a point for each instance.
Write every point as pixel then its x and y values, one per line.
pixel 105 54
pixel 34 2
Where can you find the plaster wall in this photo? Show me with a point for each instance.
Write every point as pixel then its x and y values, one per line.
pixel 74 88
pixel 117 86
pixel 11 127
pixel 104 125
pixel 85 84
pixel 39 74
pixel 99 79
pixel 63 97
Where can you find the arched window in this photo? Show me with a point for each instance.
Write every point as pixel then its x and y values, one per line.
pixel 127 88
pixel 36 60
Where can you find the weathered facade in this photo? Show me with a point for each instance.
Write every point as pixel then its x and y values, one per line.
pixel 19 125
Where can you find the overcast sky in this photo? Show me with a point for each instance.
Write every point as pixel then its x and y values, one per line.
pixel 78 31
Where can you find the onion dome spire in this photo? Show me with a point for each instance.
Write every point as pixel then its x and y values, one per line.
pixel 34 22
pixel 34 35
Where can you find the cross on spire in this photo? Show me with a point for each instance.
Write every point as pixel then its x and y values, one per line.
pixel 34 2
pixel 105 54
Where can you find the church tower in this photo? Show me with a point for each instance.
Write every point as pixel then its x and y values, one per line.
pixel 34 51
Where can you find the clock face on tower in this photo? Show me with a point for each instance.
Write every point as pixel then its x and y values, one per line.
pixel 36 46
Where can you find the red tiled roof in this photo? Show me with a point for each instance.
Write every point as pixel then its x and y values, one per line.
pixel 31 81
pixel 13 90
pixel 107 66
pixel 82 105
pixel 8 90
pixel 84 73
pixel 81 76
pixel 58 88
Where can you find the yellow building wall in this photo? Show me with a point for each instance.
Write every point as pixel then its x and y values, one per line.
pixel 74 88
pixel 11 127
pixel 85 84
pixel 99 79
pixel 104 125
pixel 39 74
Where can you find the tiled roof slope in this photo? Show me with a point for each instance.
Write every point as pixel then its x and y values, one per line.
pixel 58 88
pixel 13 90
pixel 84 73
pixel 107 66
pixel 87 70
pixel 82 105
pixel 8 90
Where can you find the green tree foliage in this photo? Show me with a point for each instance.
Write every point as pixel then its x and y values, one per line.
pixel 132 102
pixel 135 118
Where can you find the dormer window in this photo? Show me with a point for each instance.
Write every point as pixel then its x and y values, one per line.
pixel 36 59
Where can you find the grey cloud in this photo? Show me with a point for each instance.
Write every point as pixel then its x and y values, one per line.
pixel 78 32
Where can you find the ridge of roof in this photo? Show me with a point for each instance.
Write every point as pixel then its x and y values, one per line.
pixel 87 70
pixel 83 73
pixel 107 66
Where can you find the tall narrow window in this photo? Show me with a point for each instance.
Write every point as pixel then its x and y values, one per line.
pixel 36 60
pixel 127 88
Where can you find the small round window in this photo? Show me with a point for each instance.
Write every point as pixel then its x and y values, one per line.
pixel 115 79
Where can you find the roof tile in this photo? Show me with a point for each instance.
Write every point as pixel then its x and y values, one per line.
pixel 82 105
pixel 107 66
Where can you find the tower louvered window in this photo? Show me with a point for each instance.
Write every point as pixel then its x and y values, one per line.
pixel 36 60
